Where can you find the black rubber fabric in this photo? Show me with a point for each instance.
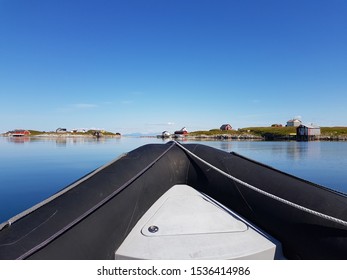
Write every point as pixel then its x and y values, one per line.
pixel 90 220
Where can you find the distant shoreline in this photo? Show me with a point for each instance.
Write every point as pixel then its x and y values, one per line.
pixel 273 133
pixel 256 138
pixel 249 133
pixel 201 137
pixel 55 136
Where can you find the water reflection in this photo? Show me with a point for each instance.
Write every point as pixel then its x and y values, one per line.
pixel 226 146
pixel 47 168
pixel 18 140
pixel 60 141
pixel 294 151
pixel 301 150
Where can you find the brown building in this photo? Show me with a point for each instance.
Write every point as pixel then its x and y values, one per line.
pixel 307 132
pixel 226 127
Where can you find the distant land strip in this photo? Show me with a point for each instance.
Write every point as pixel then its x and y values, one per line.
pixel 335 133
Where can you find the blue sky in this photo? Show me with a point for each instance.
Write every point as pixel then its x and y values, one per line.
pixel 152 65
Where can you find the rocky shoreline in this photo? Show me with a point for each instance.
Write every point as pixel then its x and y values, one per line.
pixel 72 135
pixel 236 137
pixel 61 135
pixel 331 138
pixel 263 138
pixel 226 137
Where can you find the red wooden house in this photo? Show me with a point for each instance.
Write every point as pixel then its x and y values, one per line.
pixel 19 132
pixel 183 131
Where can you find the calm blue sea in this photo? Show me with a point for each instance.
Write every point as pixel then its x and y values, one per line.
pixel 31 169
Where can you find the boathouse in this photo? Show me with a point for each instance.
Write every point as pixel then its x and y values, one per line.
pixel 19 132
pixel 226 127
pixel 307 132
pixel 183 131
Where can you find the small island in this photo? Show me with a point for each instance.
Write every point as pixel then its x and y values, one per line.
pixel 273 133
pixel 61 132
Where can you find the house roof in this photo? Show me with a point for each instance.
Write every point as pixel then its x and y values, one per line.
pixel 294 120
pixel 224 125
pixel 309 126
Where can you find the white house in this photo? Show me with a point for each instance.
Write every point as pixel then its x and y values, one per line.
pixel 294 122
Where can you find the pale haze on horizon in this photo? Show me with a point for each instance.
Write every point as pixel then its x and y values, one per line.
pixel 154 65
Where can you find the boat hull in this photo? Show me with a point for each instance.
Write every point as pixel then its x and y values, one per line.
pixel 92 217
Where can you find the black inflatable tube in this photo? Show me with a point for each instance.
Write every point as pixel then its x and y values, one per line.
pixel 70 226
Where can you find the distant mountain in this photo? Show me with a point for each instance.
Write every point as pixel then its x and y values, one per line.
pixel 139 134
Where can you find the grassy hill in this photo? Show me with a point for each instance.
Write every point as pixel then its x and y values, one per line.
pixel 87 133
pixel 334 131
pixel 267 131
pixel 271 132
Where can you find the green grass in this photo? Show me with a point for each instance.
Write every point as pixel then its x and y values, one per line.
pixel 257 131
pixel 268 131
pixel 89 132
pixel 213 132
pixel 276 131
pixel 334 131
pixel 35 132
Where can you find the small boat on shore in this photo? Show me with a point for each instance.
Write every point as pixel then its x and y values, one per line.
pixel 175 201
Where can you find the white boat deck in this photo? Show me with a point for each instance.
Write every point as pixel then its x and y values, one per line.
pixel 186 224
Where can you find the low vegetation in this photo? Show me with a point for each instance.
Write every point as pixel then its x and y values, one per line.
pixel 35 132
pixel 269 131
pixel 334 131
pixel 265 131
pixel 213 132
pixel 87 133
pixel 256 131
